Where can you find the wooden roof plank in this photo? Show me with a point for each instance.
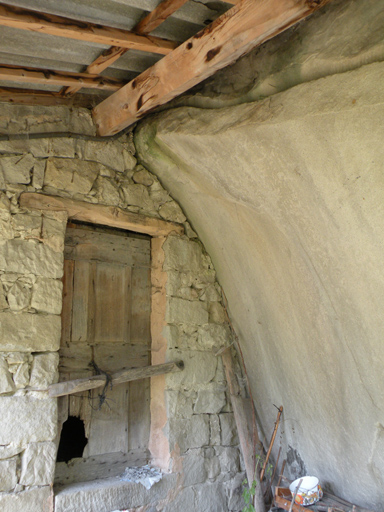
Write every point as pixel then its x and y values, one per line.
pixel 73 29
pixel 57 78
pixel 31 97
pixel 239 30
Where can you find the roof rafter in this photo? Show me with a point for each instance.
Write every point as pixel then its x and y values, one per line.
pixel 73 29
pixel 57 78
pixel 242 28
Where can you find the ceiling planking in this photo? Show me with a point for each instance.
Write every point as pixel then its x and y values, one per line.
pixel 127 57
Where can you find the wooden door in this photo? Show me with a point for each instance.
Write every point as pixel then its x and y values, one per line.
pixel 106 327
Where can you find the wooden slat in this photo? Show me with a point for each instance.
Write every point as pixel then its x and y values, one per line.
pixel 145 26
pixel 236 32
pixel 31 97
pixel 100 214
pixel 26 19
pixel 158 16
pixel 75 386
pixel 57 78
pixel 81 302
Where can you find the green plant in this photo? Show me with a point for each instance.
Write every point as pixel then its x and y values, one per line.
pixel 250 491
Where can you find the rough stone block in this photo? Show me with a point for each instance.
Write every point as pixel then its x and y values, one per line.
pixel 26 419
pixel 200 368
pixel 136 195
pixel 34 500
pixel 63 147
pixel 29 333
pixel 30 257
pixel 17 169
pixel 194 468
pixel 38 464
pixel 211 463
pixel 3 300
pixel 27 225
pixel 47 295
pixel 181 311
pixel 19 296
pixel 228 429
pixel 215 438
pixel 44 370
pixel 142 176
pixel 179 405
pixel 210 497
pixel 216 313
pixel 214 336
pixel 8 476
pixel 129 161
pixel 229 459
pixel 210 400
pixel 73 176
pixel 108 153
pixel 106 191
pixel 9 450
pixel 234 491
pixel 183 254
pixel 6 382
pixel 211 293
pixel 171 211
pixel 38 174
pixel 21 375
pixel 189 433
pixel 54 231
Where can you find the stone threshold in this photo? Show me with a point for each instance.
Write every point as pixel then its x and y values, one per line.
pixel 109 494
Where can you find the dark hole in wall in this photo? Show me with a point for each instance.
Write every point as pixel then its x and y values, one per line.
pixel 72 440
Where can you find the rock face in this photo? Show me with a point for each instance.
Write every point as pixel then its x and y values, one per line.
pixel 286 194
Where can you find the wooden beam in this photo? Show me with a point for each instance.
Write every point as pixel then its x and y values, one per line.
pixel 32 97
pixel 57 78
pixel 145 26
pixel 70 387
pixel 245 26
pixel 73 29
pixel 101 214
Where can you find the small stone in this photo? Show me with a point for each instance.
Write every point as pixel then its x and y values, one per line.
pixel 19 296
pixel 9 450
pixel 228 428
pixel 179 404
pixel 27 419
pixel 106 191
pixel 38 464
pixel 54 231
pixel 17 169
pixel 38 174
pixel 136 195
pixel 6 381
pixel 8 476
pixel 129 161
pixel 5 203
pixel 189 231
pixel 63 147
pixel 234 491
pixel 194 468
pixel 200 369
pixel 171 211
pixel 181 311
pixel 21 376
pixel 47 295
pixel 212 467
pixel 189 433
pixel 183 254
pixel 109 153
pixel 142 176
pixel 73 176
pixel 229 459
pixel 29 333
pixel 217 313
pixel 215 430
pixel 27 225
pixel 210 400
pixel 211 293
pixel 44 370
pixel 214 336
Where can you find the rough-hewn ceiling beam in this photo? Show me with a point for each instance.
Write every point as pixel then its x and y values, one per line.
pixel 31 97
pixel 73 29
pixel 245 26
pixel 57 78
pixel 145 26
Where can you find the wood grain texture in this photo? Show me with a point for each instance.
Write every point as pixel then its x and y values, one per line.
pixel 57 78
pixel 47 98
pixel 239 30
pixel 100 214
pixel 73 29
pixel 75 386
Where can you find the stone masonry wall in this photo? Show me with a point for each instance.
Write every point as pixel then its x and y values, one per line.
pixel 205 465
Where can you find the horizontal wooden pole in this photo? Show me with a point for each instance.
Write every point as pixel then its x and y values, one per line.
pixel 30 97
pixel 44 23
pixel 243 27
pixel 75 386
pixel 101 214
pixel 55 78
